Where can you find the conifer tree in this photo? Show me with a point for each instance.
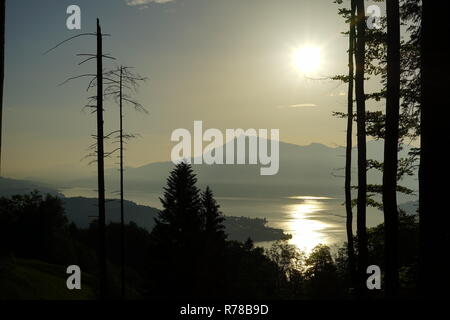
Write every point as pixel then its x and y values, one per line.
pixel 178 234
pixel 213 218
pixel 180 220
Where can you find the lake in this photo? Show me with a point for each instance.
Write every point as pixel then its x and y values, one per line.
pixel 311 220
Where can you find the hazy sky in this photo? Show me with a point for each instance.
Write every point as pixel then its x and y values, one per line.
pixel 225 62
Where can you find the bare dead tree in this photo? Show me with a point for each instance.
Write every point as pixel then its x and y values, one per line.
pixel 121 84
pixel 96 103
pixel 2 71
pixel 101 166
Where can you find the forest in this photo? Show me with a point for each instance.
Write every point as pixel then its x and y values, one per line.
pixel 188 255
pixel 193 251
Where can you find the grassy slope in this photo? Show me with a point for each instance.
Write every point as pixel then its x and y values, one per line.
pixel 31 279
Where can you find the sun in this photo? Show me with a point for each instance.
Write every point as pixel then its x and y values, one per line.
pixel 306 59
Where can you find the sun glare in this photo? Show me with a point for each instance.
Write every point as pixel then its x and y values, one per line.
pixel 306 231
pixel 306 59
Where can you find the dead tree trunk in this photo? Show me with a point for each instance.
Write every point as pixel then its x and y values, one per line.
pixel 119 80
pixel 100 164
pixel 2 71
pixel 122 220
pixel 97 79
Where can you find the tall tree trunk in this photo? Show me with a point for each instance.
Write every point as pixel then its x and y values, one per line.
pixel 122 220
pixel 361 138
pixel 391 148
pixel 348 151
pixel 100 169
pixel 434 220
pixel 2 70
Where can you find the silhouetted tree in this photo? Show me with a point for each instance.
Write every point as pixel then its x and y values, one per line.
pixel 99 154
pixel 122 214
pixel 397 62
pixel 181 217
pixel 119 81
pixel 213 218
pixel 249 273
pixel 408 128
pixel 321 274
pixel 376 65
pixel 434 220
pixel 248 244
pixel 348 147
pixel 287 256
pixel 361 137
pixel 391 147
pixel 34 226
pixel 137 247
pixel 177 235
pixel 101 166
pixel 2 69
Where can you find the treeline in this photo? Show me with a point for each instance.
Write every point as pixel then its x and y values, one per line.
pixel 187 255
pixel 411 67
pixel 79 210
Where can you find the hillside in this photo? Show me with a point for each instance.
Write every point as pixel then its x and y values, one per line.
pixel 31 279
pixel 9 187
pixel 82 211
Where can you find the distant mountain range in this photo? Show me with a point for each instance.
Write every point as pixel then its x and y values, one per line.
pixel 314 169
pixel 9 187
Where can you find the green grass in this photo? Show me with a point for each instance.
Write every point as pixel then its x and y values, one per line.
pixel 35 280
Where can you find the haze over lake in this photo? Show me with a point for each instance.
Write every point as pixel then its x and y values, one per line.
pixel 310 220
pixel 305 198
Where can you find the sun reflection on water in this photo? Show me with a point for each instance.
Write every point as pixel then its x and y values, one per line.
pixel 306 230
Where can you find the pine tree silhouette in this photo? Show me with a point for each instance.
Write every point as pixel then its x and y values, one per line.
pixel 213 218
pixel 189 237
pixel 177 235
pixel 180 222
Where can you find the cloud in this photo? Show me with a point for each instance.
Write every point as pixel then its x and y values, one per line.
pixel 339 94
pixel 300 105
pixel 144 2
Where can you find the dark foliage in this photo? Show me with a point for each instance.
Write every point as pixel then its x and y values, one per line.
pixel 167 264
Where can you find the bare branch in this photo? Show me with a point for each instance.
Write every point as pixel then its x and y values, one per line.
pixel 71 38
pixel 109 134
pixel 137 105
pixel 76 77
pixel 108 154
pixel 86 60
pixel 86 54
